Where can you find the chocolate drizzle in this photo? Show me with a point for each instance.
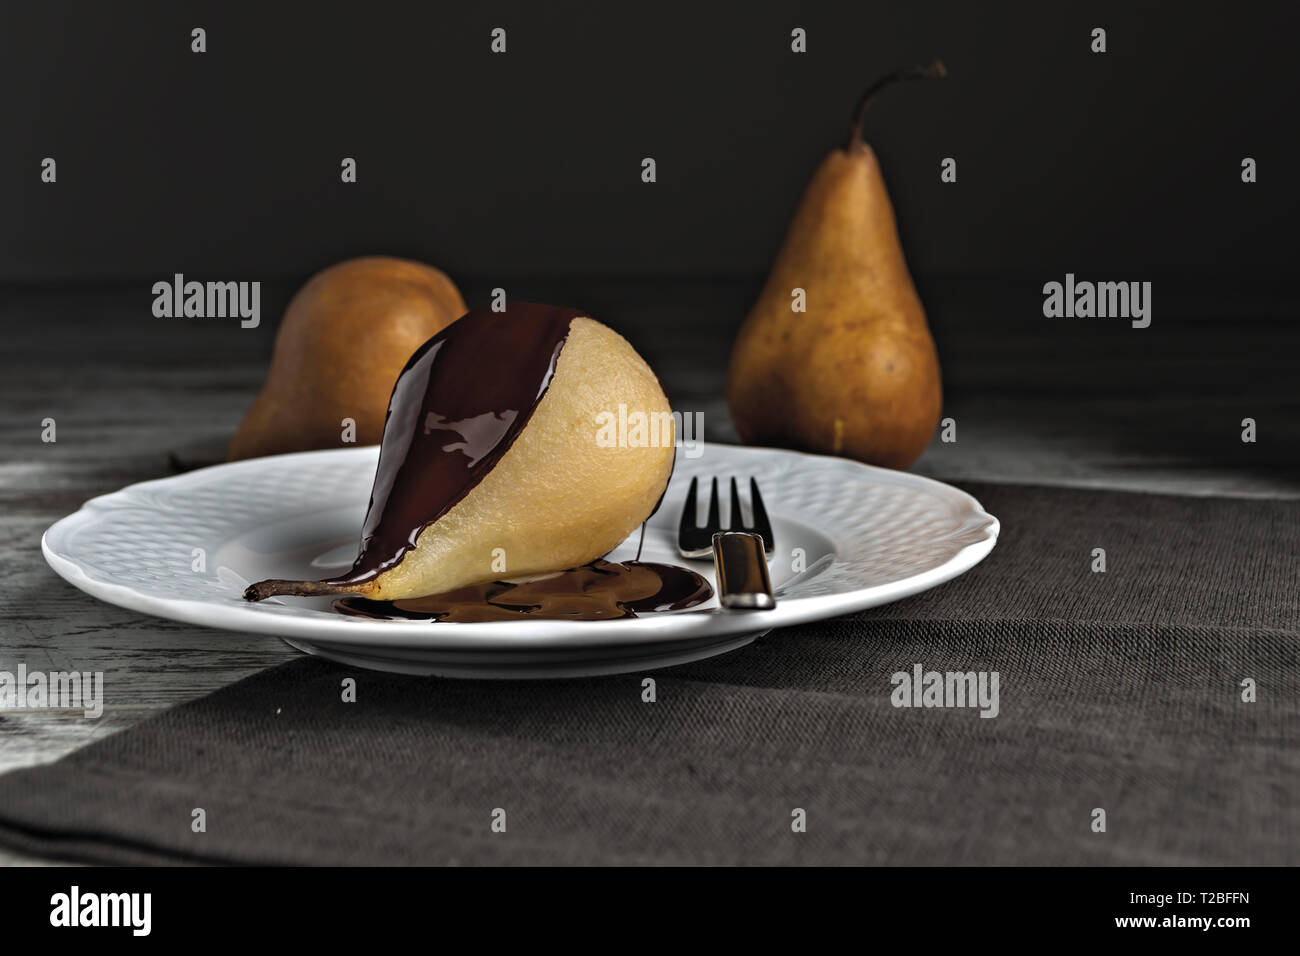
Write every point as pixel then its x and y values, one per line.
pixel 597 591
pixel 457 407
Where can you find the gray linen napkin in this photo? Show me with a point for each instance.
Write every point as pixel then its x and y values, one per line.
pixel 1120 691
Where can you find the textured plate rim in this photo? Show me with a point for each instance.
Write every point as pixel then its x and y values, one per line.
pixel 239 616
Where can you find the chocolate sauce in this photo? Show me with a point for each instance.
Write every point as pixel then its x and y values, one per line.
pixel 597 591
pixel 457 407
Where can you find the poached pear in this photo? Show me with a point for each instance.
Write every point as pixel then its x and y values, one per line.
pixel 496 462
pixel 341 343
pixel 856 374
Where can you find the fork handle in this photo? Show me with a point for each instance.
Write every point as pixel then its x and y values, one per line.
pixel 743 582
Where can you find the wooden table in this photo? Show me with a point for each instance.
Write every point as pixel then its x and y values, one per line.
pixel 1077 402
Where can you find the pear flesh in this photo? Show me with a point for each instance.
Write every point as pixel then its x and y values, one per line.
pixel 557 497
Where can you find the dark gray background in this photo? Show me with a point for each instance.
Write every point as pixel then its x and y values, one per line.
pixel 226 164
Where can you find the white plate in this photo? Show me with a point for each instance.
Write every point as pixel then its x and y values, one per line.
pixel 863 536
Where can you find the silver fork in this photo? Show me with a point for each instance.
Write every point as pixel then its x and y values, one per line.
pixel 739 550
pixel 696 541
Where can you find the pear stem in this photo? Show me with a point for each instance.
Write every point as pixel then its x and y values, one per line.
pixel 275 586
pixel 928 71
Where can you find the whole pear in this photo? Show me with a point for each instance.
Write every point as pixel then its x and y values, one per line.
pixel 344 338
pixel 856 374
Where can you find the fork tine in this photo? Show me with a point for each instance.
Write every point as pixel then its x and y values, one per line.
pixel 734 522
pixel 762 526
pixel 712 521
pixel 689 512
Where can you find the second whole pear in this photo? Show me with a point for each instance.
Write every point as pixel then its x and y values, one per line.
pixel 344 337
pixel 856 374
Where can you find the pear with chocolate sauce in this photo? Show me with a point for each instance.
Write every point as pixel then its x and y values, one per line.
pixel 497 461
